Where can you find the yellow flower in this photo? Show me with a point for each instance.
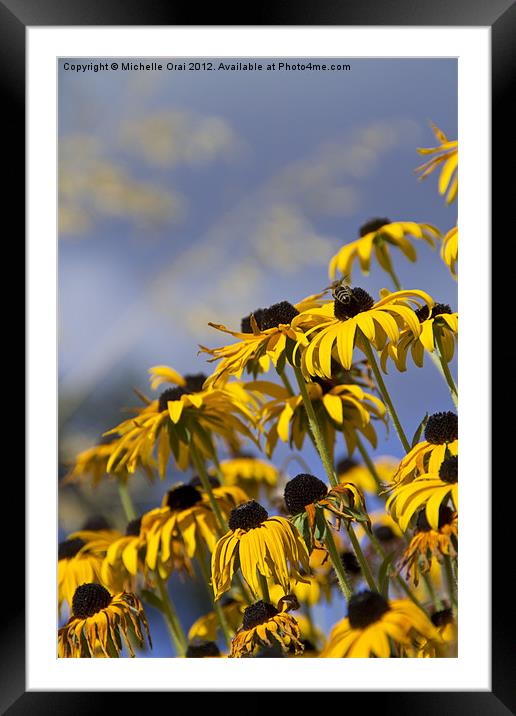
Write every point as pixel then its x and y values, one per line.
pixel 263 625
pixel 346 408
pixel 439 328
pixel 450 250
pixel 428 544
pixel 263 338
pixel 270 546
pixel 205 628
pixel 445 623
pixel 174 529
pixel 93 463
pixel 250 473
pixel 125 558
pixel 447 154
pixel 429 491
pixel 348 470
pixel 182 416
pixel 333 330
pixel 98 622
pixel 378 235
pixel 373 622
pixel 80 559
pixel 441 439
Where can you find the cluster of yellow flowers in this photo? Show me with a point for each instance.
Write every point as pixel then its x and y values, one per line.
pixel 394 571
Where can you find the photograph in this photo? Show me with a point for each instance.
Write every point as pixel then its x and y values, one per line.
pixel 257 294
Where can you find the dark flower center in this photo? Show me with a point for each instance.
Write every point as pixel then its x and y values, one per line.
pixel 449 470
pixel 95 523
pixel 193 384
pixel 245 323
pixel 383 533
pixel 168 395
pixel 202 649
pixel 278 313
pixel 366 608
pixel 350 563
pixel 182 497
pixel 445 518
pixel 373 225
pixel 356 301
pixel 247 516
pixel 345 465
pixel 70 547
pixel 90 599
pixel 133 527
pixel 196 481
pixel 438 309
pixel 442 618
pixel 302 490
pixel 258 613
pixel 442 428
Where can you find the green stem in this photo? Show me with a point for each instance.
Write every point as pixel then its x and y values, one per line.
pixel 264 587
pixel 446 370
pixel 450 580
pixel 394 278
pixel 172 619
pixel 369 463
pixel 320 443
pixel 431 592
pixel 127 503
pixel 366 571
pixel 206 574
pixel 203 476
pixel 285 380
pixel 385 393
pixel 337 564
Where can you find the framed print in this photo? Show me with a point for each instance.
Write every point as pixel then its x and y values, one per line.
pixel 243 364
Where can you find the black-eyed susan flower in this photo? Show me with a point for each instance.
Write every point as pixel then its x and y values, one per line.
pixel 344 408
pixel 376 627
pixel 450 250
pixel 173 530
pixel 92 464
pixel 249 473
pixel 206 626
pixel 198 649
pixel 98 622
pixel 265 625
pixel 263 545
pixel 446 155
pixel 439 329
pixel 446 624
pixel 349 470
pixel 429 491
pixel 125 557
pixel 306 498
pixel 261 341
pixel 377 237
pixel 80 558
pixel 430 544
pixel 441 439
pixel 336 328
pixel 182 418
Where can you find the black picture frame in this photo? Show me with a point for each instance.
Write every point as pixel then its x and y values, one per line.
pixel 500 16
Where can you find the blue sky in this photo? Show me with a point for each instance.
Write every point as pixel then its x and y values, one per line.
pixel 194 197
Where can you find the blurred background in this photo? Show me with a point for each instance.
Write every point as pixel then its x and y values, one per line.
pixel 199 196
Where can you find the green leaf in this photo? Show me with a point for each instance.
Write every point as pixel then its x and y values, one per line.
pixel 320 524
pixel 383 575
pixel 419 431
